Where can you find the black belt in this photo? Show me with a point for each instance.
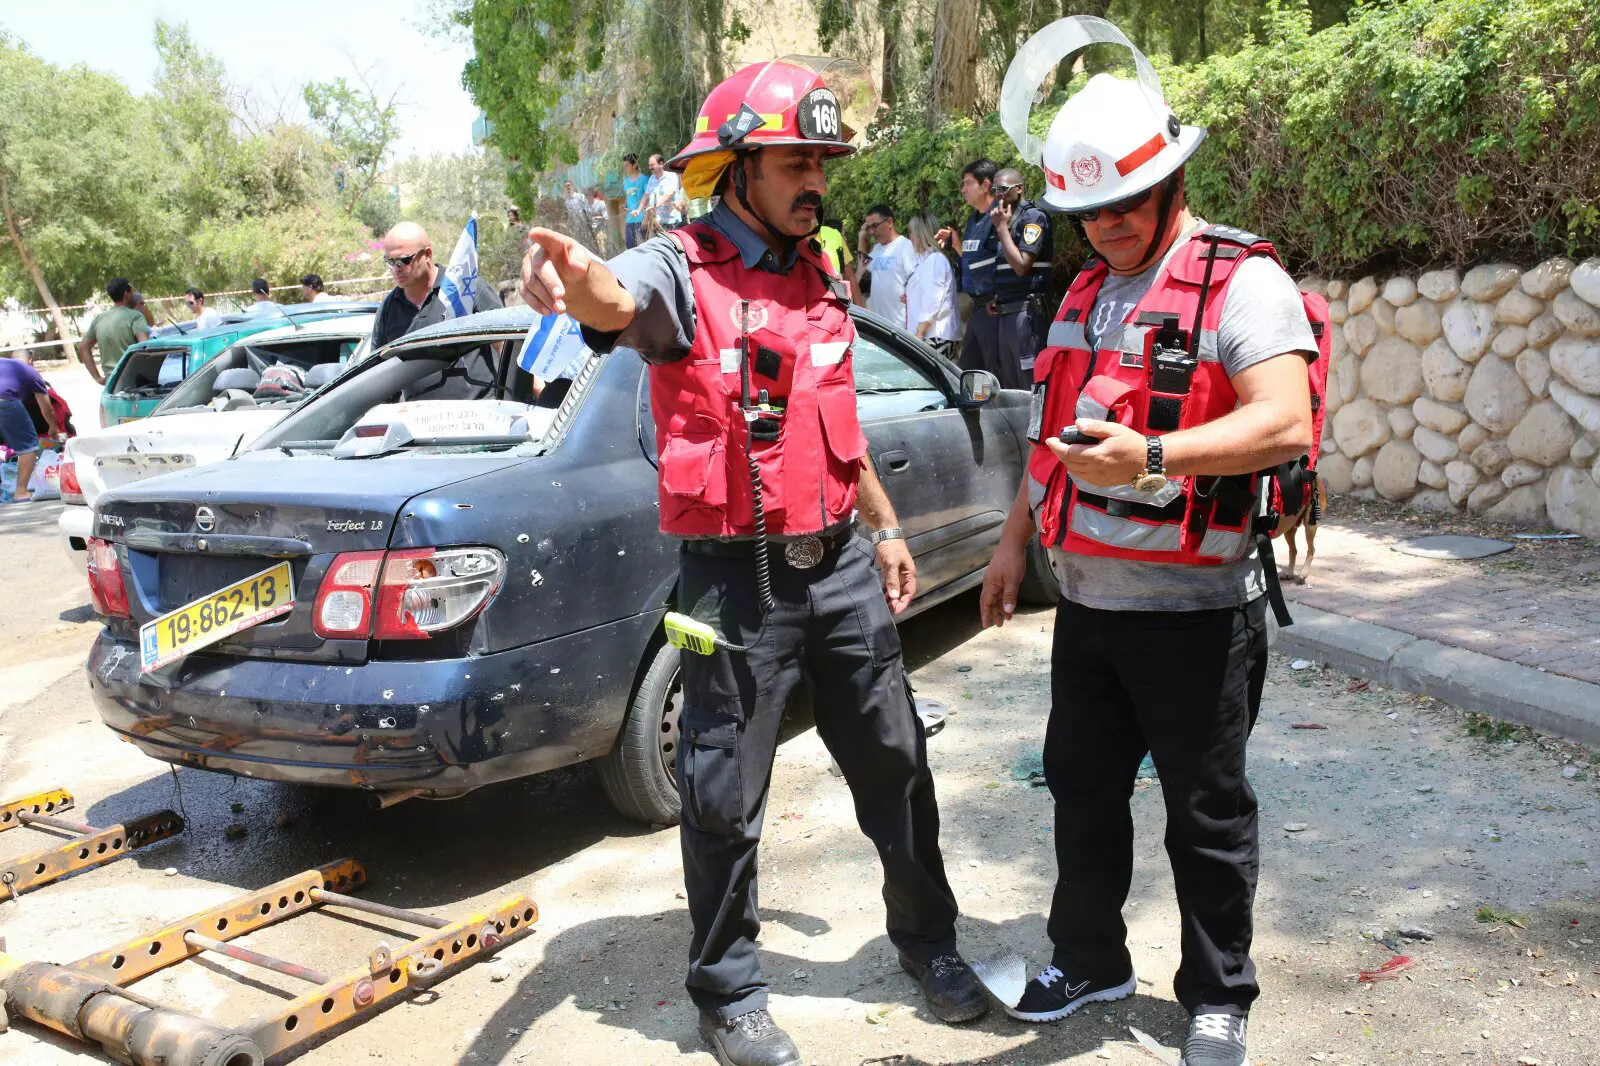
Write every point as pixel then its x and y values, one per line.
pixel 790 549
pixel 1011 308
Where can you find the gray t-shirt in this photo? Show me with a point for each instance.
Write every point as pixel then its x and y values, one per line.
pixel 1262 317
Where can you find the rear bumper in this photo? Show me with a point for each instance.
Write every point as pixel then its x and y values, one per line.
pixel 73 530
pixel 451 724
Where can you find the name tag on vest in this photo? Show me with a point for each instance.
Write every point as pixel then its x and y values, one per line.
pixel 730 360
pixel 828 353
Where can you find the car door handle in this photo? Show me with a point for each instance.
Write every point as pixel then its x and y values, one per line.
pixel 896 462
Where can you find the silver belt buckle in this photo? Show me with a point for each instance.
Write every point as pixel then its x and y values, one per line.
pixel 803 553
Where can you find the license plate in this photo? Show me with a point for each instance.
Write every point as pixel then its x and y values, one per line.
pixel 216 616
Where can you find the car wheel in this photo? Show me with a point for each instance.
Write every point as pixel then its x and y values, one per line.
pixel 1039 585
pixel 639 774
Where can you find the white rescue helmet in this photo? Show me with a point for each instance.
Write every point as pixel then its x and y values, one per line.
pixel 1111 140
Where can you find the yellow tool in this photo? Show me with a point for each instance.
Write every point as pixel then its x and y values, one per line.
pixel 89 1001
pixel 85 847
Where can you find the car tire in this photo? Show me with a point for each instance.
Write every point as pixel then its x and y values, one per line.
pixel 1039 586
pixel 638 774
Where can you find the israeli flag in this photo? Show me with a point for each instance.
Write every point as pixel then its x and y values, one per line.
pixel 553 348
pixel 459 286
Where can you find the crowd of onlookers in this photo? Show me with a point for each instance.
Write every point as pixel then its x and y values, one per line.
pixel 999 260
pixel 977 291
pixel 652 203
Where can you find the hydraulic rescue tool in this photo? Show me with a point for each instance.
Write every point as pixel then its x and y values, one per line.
pixel 86 845
pixel 89 1000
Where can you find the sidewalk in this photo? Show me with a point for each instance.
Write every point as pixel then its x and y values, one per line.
pixel 1515 635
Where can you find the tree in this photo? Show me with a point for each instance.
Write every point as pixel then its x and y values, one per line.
pixel 954 73
pixel 76 183
pixel 360 126
pixel 195 125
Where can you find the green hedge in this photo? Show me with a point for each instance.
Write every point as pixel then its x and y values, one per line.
pixel 1418 132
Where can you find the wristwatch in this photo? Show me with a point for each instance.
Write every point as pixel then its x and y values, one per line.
pixel 889 533
pixel 1153 478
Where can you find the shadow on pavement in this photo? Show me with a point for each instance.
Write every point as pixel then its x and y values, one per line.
pixel 29 517
pixel 420 854
pixel 644 955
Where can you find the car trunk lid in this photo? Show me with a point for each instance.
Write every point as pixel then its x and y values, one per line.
pixel 195 532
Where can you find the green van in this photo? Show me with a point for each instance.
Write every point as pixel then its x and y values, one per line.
pixel 151 369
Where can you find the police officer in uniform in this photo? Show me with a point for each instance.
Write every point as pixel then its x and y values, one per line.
pixel 980 247
pixel 1022 285
pixel 746 327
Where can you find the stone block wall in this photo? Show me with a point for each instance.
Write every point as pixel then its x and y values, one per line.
pixel 1475 392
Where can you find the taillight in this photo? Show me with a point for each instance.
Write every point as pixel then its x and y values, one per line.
pixel 406 594
pixel 71 491
pixel 105 580
pixel 344 599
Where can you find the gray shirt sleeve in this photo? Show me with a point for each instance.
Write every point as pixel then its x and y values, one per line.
pixel 1262 316
pixel 657 275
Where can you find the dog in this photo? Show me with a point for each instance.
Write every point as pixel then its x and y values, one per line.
pixel 1305 517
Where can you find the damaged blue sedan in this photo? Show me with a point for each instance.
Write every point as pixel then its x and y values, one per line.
pixel 439 573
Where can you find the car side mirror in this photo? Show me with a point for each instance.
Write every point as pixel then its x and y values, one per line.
pixel 978 387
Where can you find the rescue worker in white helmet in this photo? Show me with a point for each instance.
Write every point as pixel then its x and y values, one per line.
pixel 745 323
pixel 1180 356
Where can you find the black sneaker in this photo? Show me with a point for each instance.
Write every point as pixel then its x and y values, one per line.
pixel 1214 1039
pixel 752 1039
pixel 1053 995
pixel 953 991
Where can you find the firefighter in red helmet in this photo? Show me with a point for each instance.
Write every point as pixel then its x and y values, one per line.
pixel 763 470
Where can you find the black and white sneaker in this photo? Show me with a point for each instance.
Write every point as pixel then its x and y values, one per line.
pixel 1215 1039
pixel 1053 995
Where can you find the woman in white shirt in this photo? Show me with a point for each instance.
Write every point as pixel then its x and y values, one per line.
pixel 931 289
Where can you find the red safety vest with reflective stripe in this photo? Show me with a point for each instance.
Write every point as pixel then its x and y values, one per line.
pixel 800 334
pixel 1189 521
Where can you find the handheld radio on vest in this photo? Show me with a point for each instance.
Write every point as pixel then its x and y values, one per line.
pixel 760 423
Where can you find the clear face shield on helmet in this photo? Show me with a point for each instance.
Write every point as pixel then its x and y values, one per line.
pixel 1035 63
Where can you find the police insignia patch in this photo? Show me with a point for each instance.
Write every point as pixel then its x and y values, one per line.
pixel 1031 232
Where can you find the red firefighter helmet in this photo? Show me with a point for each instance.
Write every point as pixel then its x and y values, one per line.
pixel 809 100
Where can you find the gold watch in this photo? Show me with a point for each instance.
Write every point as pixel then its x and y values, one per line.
pixel 1153 478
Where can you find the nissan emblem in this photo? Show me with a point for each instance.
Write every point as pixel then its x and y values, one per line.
pixel 205 519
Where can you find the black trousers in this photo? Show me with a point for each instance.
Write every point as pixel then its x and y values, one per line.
pixel 831 628
pixel 1186 687
pixel 994 343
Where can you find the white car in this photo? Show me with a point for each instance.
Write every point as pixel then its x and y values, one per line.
pixel 215 411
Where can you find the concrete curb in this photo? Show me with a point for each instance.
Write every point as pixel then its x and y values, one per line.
pixel 1561 706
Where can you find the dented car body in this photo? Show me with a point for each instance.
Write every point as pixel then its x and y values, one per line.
pixel 481 607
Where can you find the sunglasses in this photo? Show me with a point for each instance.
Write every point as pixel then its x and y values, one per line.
pixel 1121 207
pixel 395 262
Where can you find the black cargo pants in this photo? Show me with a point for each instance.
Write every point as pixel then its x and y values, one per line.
pixel 1184 686
pixel 832 628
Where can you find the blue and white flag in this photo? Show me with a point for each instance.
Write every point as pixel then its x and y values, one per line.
pixel 459 286
pixel 553 348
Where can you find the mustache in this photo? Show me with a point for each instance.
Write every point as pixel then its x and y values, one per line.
pixel 807 199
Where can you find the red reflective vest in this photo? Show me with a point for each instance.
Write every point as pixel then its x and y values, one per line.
pixel 800 335
pixel 1195 520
